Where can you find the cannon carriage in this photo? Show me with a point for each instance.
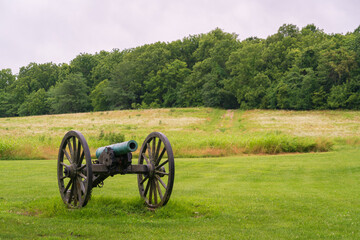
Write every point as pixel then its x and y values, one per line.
pixel 77 173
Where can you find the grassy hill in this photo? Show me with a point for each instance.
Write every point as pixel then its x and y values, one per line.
pixel 193 132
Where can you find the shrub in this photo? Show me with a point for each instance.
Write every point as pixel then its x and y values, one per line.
pixel 5 150
pixel 111 137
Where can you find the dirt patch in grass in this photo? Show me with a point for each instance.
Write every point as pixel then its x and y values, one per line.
pixel 26 213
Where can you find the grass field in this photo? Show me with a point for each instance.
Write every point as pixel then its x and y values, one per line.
pixel 237 195
pixel 292 196
pixel 193 132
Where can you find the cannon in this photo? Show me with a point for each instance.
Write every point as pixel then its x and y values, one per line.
pixel 77 173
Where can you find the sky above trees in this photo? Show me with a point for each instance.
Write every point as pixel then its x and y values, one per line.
pixel 56 31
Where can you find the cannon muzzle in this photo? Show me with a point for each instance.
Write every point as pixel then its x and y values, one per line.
pixel 119 148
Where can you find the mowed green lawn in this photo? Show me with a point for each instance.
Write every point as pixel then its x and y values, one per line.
pixel 304 196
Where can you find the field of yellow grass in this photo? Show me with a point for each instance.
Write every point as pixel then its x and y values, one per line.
pixel 193 132
pixel 307 123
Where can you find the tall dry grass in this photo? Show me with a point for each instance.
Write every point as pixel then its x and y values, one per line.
pixel 193 132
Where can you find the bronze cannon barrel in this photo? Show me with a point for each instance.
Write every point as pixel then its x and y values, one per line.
pixel 119 148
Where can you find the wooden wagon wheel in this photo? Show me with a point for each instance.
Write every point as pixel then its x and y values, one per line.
pixel 74 170
pixel 155 187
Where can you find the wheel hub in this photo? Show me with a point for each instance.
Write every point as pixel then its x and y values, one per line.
pixel 151 170
pixel 70 171
pixel 161 171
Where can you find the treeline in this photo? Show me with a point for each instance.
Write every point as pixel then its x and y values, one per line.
pixel 292 69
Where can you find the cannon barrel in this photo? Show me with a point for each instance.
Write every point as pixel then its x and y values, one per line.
pixel 119 148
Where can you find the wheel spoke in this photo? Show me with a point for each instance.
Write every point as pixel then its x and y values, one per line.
pixel 71 193
pixel 83 176
pixel 158 150
pixel 78 188
pixel 154 190
pixel 144 179
pixel 79 195
pixel 74 192
pixel 67 156
pixel 151 190
pixel 159 190
pixel 74 150
pixel 162 173
pixel 158 167
pixel 146 159
pixel 82 187
pixel 161 181
pixel 70 148
pixel 82 157
pixel 147 188
pixel 68 185
pixel 149 151
pixel 81 167
pixel 153 148
pixel 78 151
pixel 64 164
pixel 160 157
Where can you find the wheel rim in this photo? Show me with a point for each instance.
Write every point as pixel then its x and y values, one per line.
pixel 74 170
pixel 156 186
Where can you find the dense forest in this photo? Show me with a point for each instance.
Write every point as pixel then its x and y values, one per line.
pixel 294 68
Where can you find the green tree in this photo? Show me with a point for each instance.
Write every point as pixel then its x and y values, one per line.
pixel 121 90
pixel 210 71
pixel 5 104
pixel 335 66
pixel 295 90
pixel 280 51
pixel 6 78
pixel 70 96
pixel 64 71
pixel 346 95
pixel 338 96
pixel 35 104
pixel 164 86
pixel 245 65
pixel 137 66
pixel 319 98
pixel 283 94
pixel 353 101
pixel 99 100
pixel 215 95
pixel 17 95
pixel 184 49
pixel 37 76
pixel 84 63
pixel 106 63
pixel 309 85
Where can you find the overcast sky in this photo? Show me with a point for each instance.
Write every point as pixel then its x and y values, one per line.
pixel 57 31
